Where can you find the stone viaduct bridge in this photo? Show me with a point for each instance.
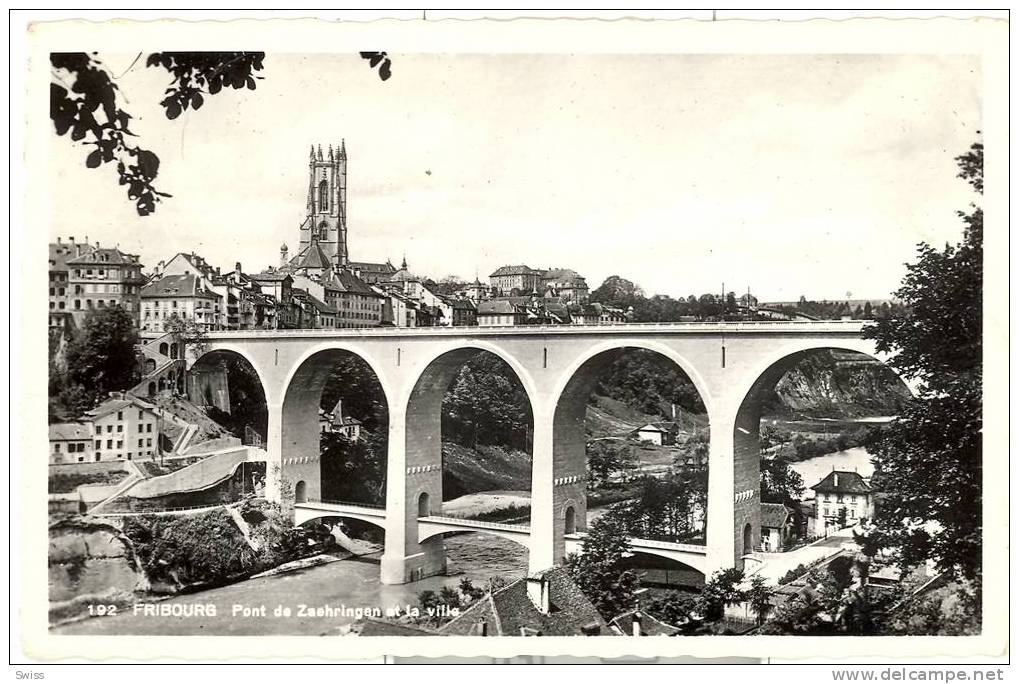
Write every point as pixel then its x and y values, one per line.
pixel 732 365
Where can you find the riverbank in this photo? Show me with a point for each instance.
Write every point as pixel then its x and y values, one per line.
pixel 324 599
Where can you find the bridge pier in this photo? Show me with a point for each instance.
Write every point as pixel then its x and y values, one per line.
pixel 413 489
pixel 274 449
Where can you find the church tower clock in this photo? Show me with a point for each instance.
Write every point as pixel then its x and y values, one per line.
pixel 326 221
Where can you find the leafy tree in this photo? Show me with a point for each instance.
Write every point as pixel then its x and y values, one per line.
pixel 354 382
pixel 606 458
pixel 601 571
pixel 86 102
pixel 486 404
pixel 650 383
pixel 759 597
pixel 352 470
pixel 928 463
pixel 187 332
pixel 722 590
pixel 779 482
pixel 101 358
pixel 673 607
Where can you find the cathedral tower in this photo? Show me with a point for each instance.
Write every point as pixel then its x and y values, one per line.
pixel 326 222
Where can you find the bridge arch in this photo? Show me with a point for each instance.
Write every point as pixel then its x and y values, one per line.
pixel 220 376
pixel 762 380
pixel 661 567
pixel 431 379
pixel 433 531
pixel 303 516
pixel 569 438
pixel 301 424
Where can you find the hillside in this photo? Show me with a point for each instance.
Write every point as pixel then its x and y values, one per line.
pixel 466 471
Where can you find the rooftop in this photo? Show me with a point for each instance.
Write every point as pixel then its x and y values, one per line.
pixel 69 431
pixel 177 286
pixel 775 514
pixel 843 482
pixel 510 612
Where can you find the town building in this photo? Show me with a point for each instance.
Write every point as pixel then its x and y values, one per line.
pixel 336 422
pixel 103 277
pixel 660 434
pixel 182 297
pixel 476 291
pixel 276 308
pixel 777 527
pixel 70 443
pixel 565 284
pixel 547 603
pixel 841 490
pixel 60 287
pixel 236 308
pixel 372 273
pixel 124 428
pixel 463 312
pixel 500 312
pixel 515 280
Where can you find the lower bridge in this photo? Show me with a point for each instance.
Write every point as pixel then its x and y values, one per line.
pixel 431 527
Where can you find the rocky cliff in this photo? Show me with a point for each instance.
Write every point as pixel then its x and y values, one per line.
pixel 834 384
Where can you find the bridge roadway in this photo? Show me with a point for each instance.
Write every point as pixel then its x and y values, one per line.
pixel 733 366
pixel 431 526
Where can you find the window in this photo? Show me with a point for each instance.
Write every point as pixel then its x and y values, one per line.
pixel 148 442
pixel 109 428
pixel 56 448
pixel 141 442
pixel 109 444
pixel 77 304
pixel 99 455
pixel 99 443
pixel 323 196
pixel 120 444
pixel 141 414
pixel 120 416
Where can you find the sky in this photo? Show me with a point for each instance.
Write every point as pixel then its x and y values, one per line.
pixel 788 175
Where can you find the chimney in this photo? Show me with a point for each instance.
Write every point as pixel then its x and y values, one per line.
pixel 836 479
pixel 537 592
pixel 237 269
pixel 58 240
pixel 635 627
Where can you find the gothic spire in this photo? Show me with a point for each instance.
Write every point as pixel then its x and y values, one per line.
pixel 343 149
pixel 311 153
pixel 330 151
pixel 320 153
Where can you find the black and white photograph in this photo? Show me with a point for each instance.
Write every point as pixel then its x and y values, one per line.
pixel 355 345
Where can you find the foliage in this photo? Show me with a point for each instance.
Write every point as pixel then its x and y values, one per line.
pixel 187 332
pixel 605 458
pixel 380 60
pixel 650 383
pixel 486 404
pixel 759 597
pixel 100 359
pixel 672 607
pixel 352 381
pixel 664 507
pixel 779 482
pixel 190 549
pixel 352 470
pixel 952 610
pixel 86 102
pixel 722 590
pixel 601 572
pixel 797 572
pixel 928 463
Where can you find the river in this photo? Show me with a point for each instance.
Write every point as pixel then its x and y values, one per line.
pixel 813 470
pixel 352 583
